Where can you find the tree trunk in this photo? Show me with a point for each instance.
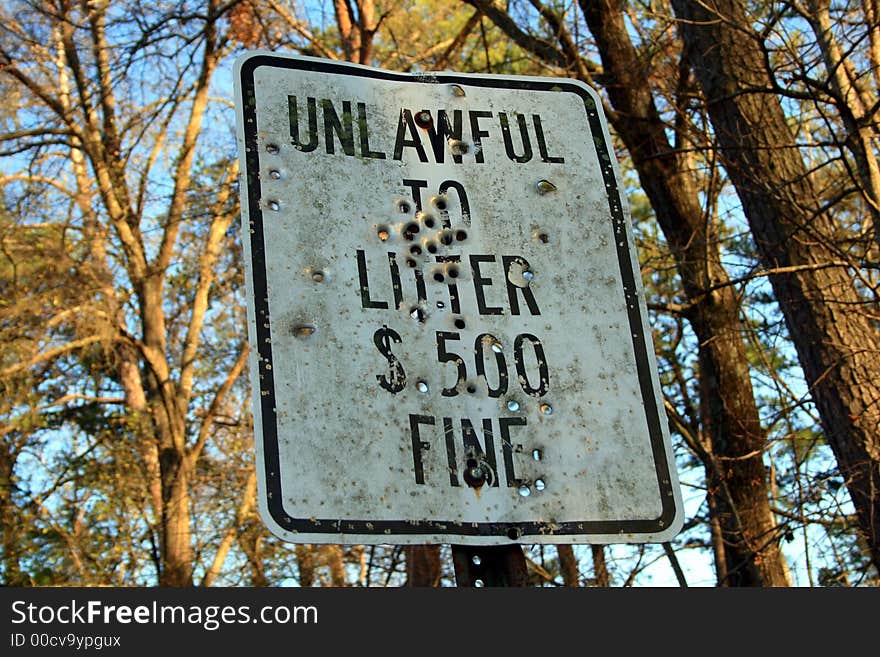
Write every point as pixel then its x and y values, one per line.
pixel 305 561
pixel 10 538
pixel 568 565
pixel 176 537
pixel 423 565
pixel 335 564
pixel 738 483
pixel 600 568
pixel 836 343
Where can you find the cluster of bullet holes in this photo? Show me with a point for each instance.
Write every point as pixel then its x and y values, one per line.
pixel 424 235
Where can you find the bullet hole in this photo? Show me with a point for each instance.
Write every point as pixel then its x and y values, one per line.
pixel 410 262
pixel 303 330
pixel 545 186
pixel 415 249
pixel 540 484
pixel 476 560
pixel 430 222
pixel 514 533
pixel 440 203
pixel 431 247
pixel 497 348
pixel 452 272
pixel 471 388
pixel 513 405
pixel 461 235
pixel 543 238
pixel 524 490
pixel 438 276
pixel 446 237
pixel 441 305
pixel 410 230
pixel 318 276
pixel 423 119
pixel 519 274
pixel 537 454
pixel 459 323
pixel 458 147
pixel 421 386
pixel 458 90
pixel 546 409
pixel 273 149
pixel 382 233
pixel 274 205
pixel 417 314
pixel 404 207
pixel 479 583
pixel 275 173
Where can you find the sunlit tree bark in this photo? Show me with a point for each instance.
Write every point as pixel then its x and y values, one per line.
pixel 832 326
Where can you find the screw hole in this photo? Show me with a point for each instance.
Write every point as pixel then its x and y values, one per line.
pixel 474 475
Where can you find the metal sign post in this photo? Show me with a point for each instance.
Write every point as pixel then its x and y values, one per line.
pixel 491 565
pixel 449 337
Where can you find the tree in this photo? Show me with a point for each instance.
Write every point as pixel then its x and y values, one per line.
pixel 124 421
pixel 831 323
pixel 71 61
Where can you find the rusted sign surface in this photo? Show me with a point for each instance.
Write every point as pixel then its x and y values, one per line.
pixel 449 338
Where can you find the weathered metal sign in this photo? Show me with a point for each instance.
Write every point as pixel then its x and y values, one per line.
pixel 449 338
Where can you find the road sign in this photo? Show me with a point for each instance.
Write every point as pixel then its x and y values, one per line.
pixel 449 337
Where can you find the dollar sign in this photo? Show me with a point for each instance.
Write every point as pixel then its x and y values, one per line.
pixel 395 380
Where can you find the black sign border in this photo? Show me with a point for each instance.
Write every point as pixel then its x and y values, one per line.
pixel 518 532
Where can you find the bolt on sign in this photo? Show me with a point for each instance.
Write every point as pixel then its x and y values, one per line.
pixel 449 336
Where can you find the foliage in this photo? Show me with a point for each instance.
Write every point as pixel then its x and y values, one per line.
pixel 124 410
